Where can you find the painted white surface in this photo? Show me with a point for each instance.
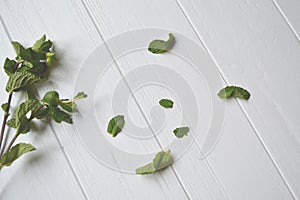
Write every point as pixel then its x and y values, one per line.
pixel 249 41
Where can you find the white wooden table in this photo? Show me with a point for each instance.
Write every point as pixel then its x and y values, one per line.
pixel 252 43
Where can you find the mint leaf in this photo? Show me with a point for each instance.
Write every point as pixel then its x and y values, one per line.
pixel 51 98
pixel 234 91
pixel 33 60
pixel 70 105
pixel 14 153
pixel 161 46
pixel 115 125
pixel 18 47
pixel 181 131
pixel 167 103
pixel 10 66
pixel 42 45
pixel 21 122
pixel 146 169
pixel 12 123
pixel 80 95
pixel 21 79
pixel 4 107
pixel 59 116
pixel 161 160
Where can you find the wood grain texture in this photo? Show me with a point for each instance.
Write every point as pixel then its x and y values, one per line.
pixel 255 47
pixel 289 11
pixel 44 173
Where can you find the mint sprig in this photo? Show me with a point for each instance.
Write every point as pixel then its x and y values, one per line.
pixel 30 67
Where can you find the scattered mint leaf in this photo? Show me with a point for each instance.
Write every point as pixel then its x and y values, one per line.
pixel 181 131
pixel 161 46
pixel 161 160
pixel 4 107
pixel 146 169
pixel 9 66
pixel 115 125
pixel 21 79
pixel 166 103
pixel 14 153
pixel 234 91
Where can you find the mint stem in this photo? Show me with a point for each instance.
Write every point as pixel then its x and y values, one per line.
pixel 11 142
pixel 6 114
pixel 17 134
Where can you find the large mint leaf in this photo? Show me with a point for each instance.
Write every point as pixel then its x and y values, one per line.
pixel 14 153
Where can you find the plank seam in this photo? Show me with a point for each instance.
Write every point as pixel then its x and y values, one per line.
pixel 285 18
pixel 51 127
pixel 260 139
pixel 126 83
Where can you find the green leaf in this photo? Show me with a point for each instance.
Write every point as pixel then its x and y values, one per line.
pixel 43 113
pixel 42 45
pixel 21 79
pixel 167 103
pixel 234 91
pixel 51 98
pixel 4 106
pixel 59 116
pixel 146 169
pixel 161 160
pixel 14 153
pixel 18 47
pixel 50 58
pixel 80 95
pixel 12 123
pixel 10 66
pixel 115 125
pixel 181 131
pixel 33 60
pixel 161 46
pixel 21 122
pixel 70 105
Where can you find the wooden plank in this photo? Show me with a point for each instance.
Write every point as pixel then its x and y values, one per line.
pixel 112 18
pixel 40 174
pixel 289 11
pixel 74 37
pixel 263 58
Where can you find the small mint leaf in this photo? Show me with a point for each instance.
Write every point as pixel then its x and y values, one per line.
pixel 181 131
pixel 166 103
pixel 10 66
pixel 18 47
pixel 234 91
pixel 161 160
pixel 4 107
pixel 161 46
pixel 115 125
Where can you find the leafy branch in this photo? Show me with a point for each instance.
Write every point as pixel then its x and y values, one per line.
pixel 29 68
